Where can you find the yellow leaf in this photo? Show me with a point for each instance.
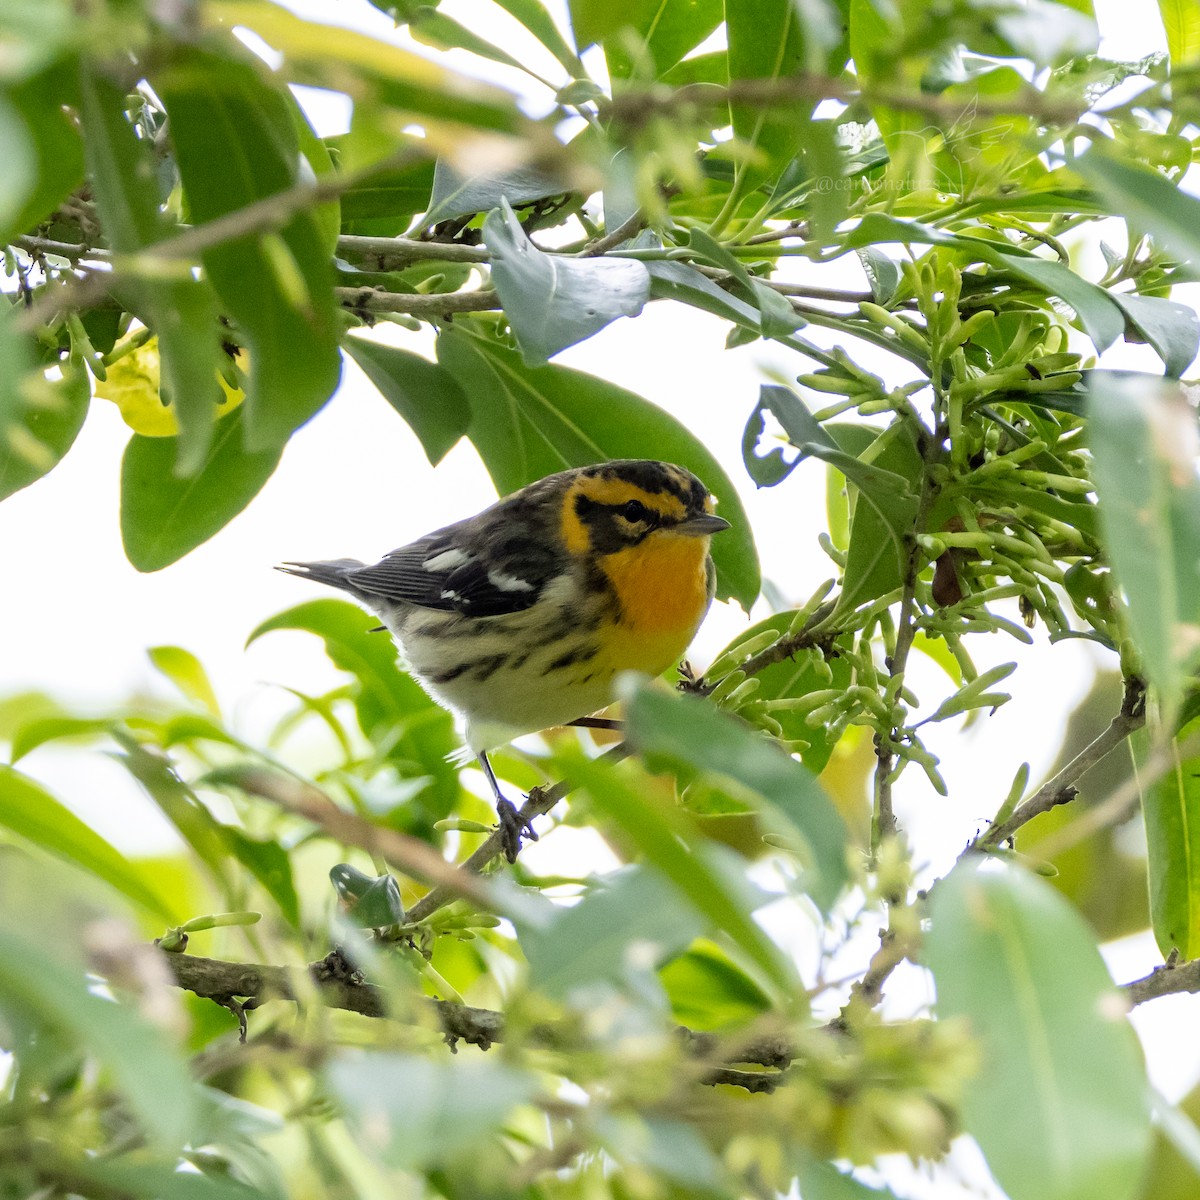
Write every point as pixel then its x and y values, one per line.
pixel 133 386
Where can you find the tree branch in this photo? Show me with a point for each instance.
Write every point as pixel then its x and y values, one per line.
pixel 1061 789
pixel 1169 979
pixel 418 304
pixel 222 981
pixel 637 106
pixel 388 253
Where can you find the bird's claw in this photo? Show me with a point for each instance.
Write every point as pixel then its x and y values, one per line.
pixel 512 827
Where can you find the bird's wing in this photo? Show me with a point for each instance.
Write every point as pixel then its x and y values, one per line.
pixel 453 573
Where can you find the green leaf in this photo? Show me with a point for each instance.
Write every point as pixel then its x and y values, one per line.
pixel 1170 808
pixel 412 1112
pixel 32 813
pixel 1147 200
pixel 883 275
pixel 690 735
pixel 699 874
pixel 456 195
pixel 425 394
pixel 821 1180
pixel 650 36
pixel 1059 1106
pixel 796 677
pixel 393 709
pixel 270 864
pixel 179 804
pixel 32 734
pixel 51 147
pixel 667 1151
pixel 187 673
pixel 1097 310
pixel 443 32
pixel 534 16
pixel 528 422
pixel 49 994
pixel 39 418
pixel 678 281
pixel 1181 20
pixel 116 1175
pixel 19 177
pixel 164 517
pixel 236 143
pixel 881 488
pixel 396 78
pixel 395 194
pixel 876 556
pixel 624 928
pixel 1170 327
pixel 708 990
pixel 777 318
pixel 181 310
pixel 1098 313
pixel 1142 432
pixel 553 301
pixel 1048 32
pixel 766 41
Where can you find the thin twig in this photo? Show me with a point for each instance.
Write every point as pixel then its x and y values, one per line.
pixel 69 250
pixel 906 631
pixel 411 854
pixel 1061 789
pixel 1122 803
pixel 628 228
pixel 539 802
pixel 271 212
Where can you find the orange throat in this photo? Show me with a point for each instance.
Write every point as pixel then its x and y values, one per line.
pixel 662 586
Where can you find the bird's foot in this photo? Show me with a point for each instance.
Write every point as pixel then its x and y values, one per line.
pixel 512 828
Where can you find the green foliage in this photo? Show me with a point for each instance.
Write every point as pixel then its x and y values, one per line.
pixel 1013 958
pixel 985 477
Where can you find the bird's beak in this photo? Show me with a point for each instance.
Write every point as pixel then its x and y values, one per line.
pixel 702 526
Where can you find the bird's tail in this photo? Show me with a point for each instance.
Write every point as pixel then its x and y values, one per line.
pixel 334 572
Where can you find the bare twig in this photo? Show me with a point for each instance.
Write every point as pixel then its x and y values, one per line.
pixel 1061 789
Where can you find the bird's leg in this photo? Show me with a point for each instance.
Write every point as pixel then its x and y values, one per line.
pixel 513 827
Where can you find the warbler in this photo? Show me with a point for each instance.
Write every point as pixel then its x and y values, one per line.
pixel 520 618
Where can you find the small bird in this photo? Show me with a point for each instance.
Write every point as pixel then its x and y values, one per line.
pixel 520 618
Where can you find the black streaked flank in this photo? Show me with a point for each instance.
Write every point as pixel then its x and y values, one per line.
pixel 577 654
pixel 485 668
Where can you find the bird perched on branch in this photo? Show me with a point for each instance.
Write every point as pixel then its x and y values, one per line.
pixel 521 617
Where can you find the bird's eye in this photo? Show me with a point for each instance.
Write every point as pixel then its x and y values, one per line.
pixel 635 510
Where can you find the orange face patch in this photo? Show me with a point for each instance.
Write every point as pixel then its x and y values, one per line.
pixel 611 492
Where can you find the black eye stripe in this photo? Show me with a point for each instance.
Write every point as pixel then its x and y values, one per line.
pixel 635 510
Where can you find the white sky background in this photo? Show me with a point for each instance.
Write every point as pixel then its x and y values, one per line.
pixel 354 482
